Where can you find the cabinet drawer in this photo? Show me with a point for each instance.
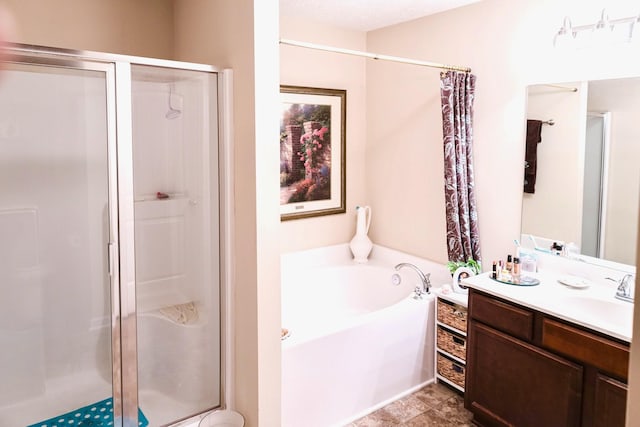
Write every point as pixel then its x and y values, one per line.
pixel 452 343
pixel 452 314
pixel 451 370
pixel 606 355
pixel 503 316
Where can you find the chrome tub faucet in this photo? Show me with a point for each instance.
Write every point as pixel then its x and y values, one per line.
pixel 424 278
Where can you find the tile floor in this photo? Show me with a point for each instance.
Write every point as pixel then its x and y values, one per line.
pixel 433 405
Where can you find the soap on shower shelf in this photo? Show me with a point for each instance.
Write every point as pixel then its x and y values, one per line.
pixel 161 195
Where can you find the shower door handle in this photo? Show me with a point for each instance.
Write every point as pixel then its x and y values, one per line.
pixel 110 258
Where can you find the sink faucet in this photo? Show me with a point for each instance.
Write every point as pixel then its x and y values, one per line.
pixel 625 288
pixel 426 283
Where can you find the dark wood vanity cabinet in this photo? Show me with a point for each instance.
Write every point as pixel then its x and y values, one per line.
pixel 511 382
pixel 525 368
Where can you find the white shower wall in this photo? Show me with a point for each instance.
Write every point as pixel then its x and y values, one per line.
pixel 170 157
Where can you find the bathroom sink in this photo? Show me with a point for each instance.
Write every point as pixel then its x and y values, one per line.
pixel 598 312
pixel 591 305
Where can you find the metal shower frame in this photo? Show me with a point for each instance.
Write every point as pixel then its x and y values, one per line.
pixel 121 262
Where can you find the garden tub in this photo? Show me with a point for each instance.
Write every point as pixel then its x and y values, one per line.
pixel 355 340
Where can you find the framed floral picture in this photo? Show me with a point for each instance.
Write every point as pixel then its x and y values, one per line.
pixel 312 152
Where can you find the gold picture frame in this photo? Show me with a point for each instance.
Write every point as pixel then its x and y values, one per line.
pixel 312 152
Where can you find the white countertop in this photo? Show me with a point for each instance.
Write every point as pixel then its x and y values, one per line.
pixel 593 307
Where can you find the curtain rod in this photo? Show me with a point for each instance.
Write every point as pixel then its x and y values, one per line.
pixel 374 55
pixel 569 88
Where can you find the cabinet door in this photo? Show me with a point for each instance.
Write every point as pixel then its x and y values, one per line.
pixel 610 402
pixel 510 382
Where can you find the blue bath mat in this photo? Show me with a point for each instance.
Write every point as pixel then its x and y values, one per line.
pixel 99 414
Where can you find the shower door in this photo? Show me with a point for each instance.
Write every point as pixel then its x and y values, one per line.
pixel 109 240
pixel 177 270
pixel 594 199
pixel 57 220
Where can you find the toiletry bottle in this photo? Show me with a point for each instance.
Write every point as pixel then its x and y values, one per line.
pixel 516 269
pixel 509 265
pixel 528 264
pixel 571 250
pixel 505 276
pixel 494 273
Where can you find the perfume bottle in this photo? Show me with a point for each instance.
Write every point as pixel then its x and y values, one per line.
pixel 509 265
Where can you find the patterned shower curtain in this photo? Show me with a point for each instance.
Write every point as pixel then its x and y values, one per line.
pixel 457 92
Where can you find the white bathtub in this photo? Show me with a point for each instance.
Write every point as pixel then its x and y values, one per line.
pixel 356 341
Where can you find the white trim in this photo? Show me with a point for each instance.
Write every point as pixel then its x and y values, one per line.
pixel 225 96
pixel 384 403
pixel 448 381
pixel 451 356
pixel 450 328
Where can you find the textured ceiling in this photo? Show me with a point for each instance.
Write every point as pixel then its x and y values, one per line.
pixel 366 15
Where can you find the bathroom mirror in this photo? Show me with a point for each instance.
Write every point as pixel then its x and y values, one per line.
pixel 587 178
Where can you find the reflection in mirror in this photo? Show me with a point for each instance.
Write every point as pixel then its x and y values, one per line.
pixel 586 181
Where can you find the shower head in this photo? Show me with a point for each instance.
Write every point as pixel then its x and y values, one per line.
pixel 174 111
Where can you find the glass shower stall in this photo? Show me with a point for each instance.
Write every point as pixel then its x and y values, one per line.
pixel 110 248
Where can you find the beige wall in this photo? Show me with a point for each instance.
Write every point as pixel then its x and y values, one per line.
pixel 243 35
pixel 554 211
pixel 404 151
pixel 505 61
pixel 305 67
pixel 141 27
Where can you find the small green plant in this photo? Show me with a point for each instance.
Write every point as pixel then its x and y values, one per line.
pixel 471 263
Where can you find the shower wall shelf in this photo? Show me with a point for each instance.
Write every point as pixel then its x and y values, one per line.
pixel 154 198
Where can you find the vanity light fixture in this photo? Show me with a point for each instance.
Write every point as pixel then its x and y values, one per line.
pixel 565 34
pixel 605 31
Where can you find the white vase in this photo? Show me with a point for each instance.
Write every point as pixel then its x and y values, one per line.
pixel 361 244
